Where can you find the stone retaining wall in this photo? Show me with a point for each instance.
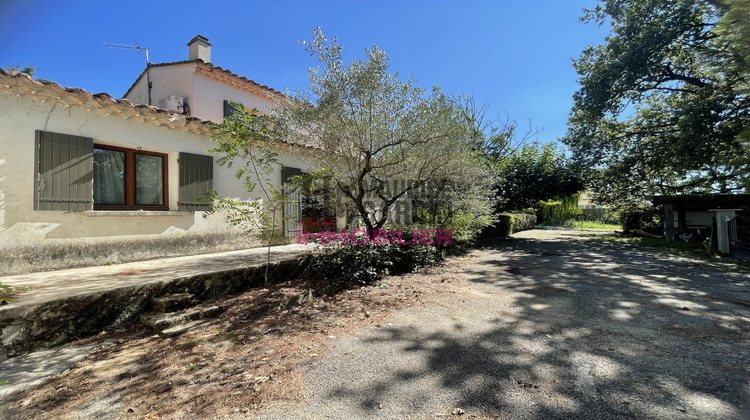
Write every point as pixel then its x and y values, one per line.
pixel 32 327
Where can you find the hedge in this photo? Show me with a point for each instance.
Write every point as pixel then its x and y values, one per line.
pixel 510 223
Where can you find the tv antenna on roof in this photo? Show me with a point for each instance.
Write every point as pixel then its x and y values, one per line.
pixel 148 63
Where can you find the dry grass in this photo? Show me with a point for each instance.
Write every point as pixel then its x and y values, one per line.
pixel 237 364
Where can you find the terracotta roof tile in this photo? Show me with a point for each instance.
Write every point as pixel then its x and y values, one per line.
pixel 22 84
pixel 208 67
pixel 18 83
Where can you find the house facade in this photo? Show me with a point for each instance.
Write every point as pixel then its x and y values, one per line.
pixel 197 88
pixel 90 179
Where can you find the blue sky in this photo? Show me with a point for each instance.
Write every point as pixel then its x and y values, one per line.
pixel 515 56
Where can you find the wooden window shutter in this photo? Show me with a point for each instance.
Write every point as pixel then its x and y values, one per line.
pixel 196 180
pixel 287 172
pixel 64 167
pixel 230 109
pixel 293 207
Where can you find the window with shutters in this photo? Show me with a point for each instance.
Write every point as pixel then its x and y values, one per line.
pixel 293 207
pixel 74 174
pixel 196 180
pixel 129 179
pixel 230 109
pixel 63 172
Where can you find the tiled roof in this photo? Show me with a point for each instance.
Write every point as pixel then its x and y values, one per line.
pixel 219 74
pixel 20 84
pixel 174 63
pixel 236 81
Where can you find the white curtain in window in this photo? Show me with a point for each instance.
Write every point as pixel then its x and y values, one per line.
pixel 109 177
pixel 148 180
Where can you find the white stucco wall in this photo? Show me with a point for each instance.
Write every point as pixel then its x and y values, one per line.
pixel 21 116
pixel 695 218
pixel 209 96
pixel 204 96
pixel 165 80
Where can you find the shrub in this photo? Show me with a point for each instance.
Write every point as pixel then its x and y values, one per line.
pixel 410 258
pixel 523 221
pixel 368 263
pixel 508 224
pixel 464 226
pixel 560 209
pixel 646 219
pixel 359 263
pixel 504 225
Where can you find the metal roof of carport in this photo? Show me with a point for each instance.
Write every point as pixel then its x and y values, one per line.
pixel 704 202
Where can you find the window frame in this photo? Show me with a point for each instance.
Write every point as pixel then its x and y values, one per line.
pixel 130 180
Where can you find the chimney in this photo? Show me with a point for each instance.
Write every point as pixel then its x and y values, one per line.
pixel 199 48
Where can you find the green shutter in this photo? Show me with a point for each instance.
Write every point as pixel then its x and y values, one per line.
pixel 293 207
pixel 196 180
pixel 230 110
pixel 64 167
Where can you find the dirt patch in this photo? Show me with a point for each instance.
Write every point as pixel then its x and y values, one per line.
pixel 594 333
pixel 238 364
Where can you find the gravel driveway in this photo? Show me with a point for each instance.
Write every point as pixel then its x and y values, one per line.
pixel 551 324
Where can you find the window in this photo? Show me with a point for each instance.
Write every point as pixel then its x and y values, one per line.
pixel 128 179
pixel 319 199
pixel 72 173
pixel 196 180
pixel 232 108
pixel 62 174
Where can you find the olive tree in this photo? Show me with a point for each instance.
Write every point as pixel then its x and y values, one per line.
pixel 378 135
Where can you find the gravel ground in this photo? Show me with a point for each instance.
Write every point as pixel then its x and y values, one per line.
pixel 549 325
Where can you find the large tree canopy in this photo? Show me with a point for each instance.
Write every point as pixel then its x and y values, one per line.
pixel 661 104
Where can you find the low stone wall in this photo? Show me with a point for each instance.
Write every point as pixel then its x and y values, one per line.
pixel 34 327
pixel 60 254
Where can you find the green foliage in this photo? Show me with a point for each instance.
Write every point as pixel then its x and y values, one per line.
pixel 371 128
pixel 7 293
pixel 734 27
pixel 464 205
pixel 533 174
pixel 645 218
pixel 661 105
pixel 523 221
pixel 246 138
pixel 368 263
pixel 504 225
pixel 508 224
pixel 560 209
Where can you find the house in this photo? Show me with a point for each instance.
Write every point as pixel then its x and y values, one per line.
pixel 89 179
pixel 693 216
pixel 195 87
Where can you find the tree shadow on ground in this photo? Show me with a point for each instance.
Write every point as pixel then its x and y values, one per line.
pixel 573 329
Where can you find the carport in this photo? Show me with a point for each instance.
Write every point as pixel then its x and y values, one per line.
pixel 686 212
